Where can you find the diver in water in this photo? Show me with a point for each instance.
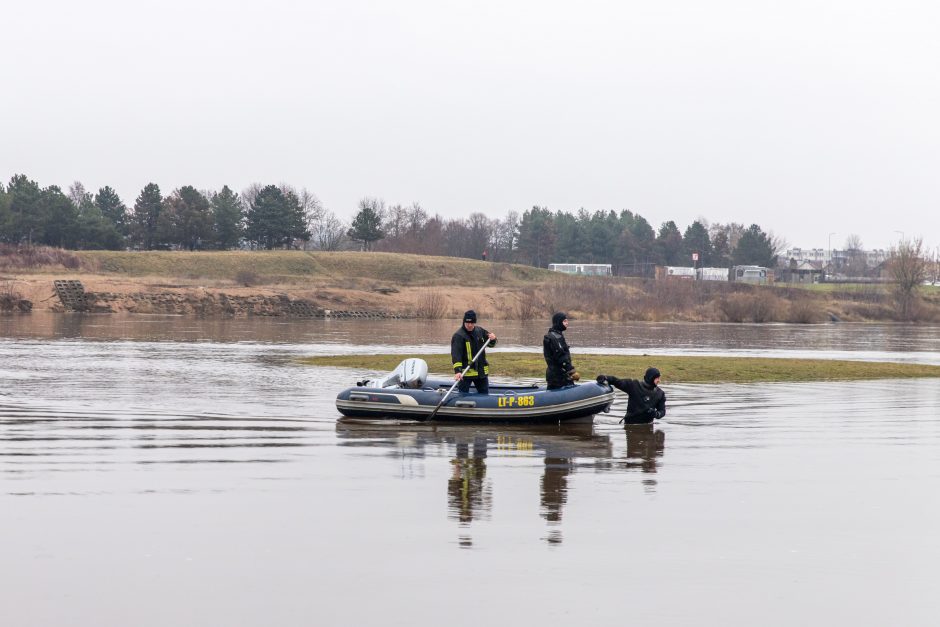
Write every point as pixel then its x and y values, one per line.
pixel 646 400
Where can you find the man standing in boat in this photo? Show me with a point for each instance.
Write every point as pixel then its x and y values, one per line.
pixel 559 372
pixel 466 342
pixel 646 400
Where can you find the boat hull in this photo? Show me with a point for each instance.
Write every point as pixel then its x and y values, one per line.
pixel 504 403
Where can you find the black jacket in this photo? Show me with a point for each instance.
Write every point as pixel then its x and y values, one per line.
pixel 464 345
pixel 644 401
pixel 556 353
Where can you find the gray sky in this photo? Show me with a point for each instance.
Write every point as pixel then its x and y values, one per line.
pixel 805 117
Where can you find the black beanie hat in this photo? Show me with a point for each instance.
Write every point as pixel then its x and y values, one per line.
pixel 470 316
pixel 557 319
pixel 650 376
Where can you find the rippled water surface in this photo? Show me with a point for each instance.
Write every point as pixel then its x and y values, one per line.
pixel 171 471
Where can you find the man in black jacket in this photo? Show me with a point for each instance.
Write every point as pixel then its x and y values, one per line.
pixel 465 343
pixel 559 372
pixel 646 400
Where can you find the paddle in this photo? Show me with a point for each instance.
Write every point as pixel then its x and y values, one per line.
pixel 475 357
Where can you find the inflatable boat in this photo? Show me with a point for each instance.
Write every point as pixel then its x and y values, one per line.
pixel 407 394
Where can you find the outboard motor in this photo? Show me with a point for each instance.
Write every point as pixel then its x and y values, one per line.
pixel 411 373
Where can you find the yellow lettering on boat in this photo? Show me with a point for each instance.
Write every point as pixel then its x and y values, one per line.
pixel 515 401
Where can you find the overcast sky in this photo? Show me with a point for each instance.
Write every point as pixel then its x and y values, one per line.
pixel 805 117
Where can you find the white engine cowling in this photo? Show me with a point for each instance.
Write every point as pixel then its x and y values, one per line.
pixel 411 373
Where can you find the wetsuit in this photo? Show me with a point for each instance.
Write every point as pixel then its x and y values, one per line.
pixel 557 357
pixel 646 401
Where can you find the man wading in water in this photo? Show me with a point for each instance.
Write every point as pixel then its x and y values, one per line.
pixel 646 400
pixel 465 343
pixel 560 372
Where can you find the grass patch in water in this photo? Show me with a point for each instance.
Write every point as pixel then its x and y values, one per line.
pixel 675 369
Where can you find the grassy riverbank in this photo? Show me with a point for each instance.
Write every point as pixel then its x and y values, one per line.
pixel 293 266
pixel 675 369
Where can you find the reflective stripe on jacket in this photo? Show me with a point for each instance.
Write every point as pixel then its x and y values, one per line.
pixel 463 346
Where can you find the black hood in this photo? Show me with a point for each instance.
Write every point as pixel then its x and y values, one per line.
pixel 650 377
pixel 557 320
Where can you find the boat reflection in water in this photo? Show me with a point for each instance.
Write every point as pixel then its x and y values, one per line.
pixel 564 448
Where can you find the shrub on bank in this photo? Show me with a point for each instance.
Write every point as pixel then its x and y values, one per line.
pixel 431 305
pixel 529 305
pixel 12 300
pixel 755 307
pixel 37 257
pixel 805 311
pixel 247 278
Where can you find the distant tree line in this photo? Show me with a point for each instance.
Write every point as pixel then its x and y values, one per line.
pixel 540 236
pixel 262 216
pixel 280 216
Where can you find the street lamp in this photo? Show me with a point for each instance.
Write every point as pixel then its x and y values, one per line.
pixel 830 249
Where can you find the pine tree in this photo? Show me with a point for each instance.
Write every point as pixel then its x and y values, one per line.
pixel 112 208
pixel 59 217
pixel 696 240
pixel 296 218
pixel 754 249
pixel 185 219
pixel 275 219
pixel 227 219
pixel 6 217
pixel 669 243
pixel 147 210
pixel 721 250
pixel 366 227
pixel 25 217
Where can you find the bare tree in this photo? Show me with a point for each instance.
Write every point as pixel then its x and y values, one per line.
pixel 777 242
pixel 855 262
pixel 417 218
pixel 853 242
pixel 479 234
pixel 396 222
pixel 328 232
pixel 250 193
pixel 909 270
pixel 733 232
pixel 505 236
pixel 307 200
pixel 78 195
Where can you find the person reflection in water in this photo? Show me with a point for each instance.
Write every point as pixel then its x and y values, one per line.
pixel 646 444
pixel 468 491
pixel 554 493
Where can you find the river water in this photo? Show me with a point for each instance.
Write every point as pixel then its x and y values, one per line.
pixel 173 471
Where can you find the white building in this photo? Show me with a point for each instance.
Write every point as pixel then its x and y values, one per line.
pixel 873 258
pixel 751 274
pixel 679 272
pixel 712 274
pixel 589 269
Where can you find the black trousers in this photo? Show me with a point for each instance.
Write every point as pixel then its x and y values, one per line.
pixel 482 384
pixel 556 379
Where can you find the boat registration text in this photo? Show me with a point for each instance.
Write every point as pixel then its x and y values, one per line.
pixel 516 401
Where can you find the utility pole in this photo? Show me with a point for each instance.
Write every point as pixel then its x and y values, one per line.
pixel 830 250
